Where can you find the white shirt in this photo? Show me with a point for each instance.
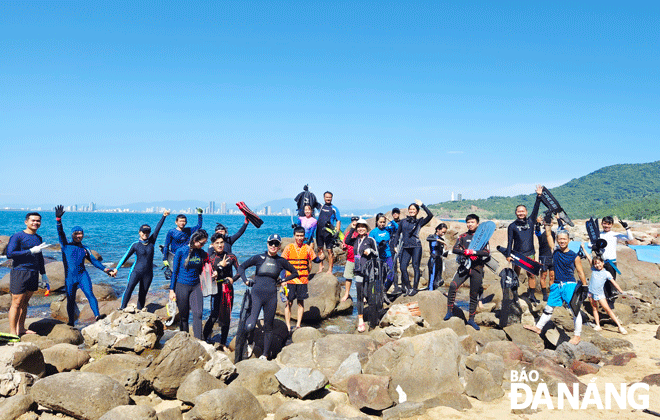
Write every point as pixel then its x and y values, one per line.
pixel 612 239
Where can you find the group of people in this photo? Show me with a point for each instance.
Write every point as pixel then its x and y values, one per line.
pixel 394 243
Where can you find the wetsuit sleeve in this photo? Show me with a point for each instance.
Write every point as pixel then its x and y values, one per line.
pixel 14 248
pixel 484 252
pixel 126 256
pixel 509 243
pixel 176 264
pixel 41 263
pixel 233 238
pixel 428 217
pixel 199 224
pixel 154 234
pixel 60 234
pixel 349 239
pixel 293 273
pixel 93 260
pixel 535 210
pixel 458 246
pixel 166 247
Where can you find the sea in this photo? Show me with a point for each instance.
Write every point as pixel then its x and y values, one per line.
pixel 111 234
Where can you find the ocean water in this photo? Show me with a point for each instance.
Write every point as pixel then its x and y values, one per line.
pixel 111 234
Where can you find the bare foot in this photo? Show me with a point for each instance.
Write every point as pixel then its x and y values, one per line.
pixel 532 328
pixel 26 332
pixel 329 270
pixel 344 298
pixel 575 340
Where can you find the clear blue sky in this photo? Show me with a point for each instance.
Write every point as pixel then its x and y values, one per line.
pixel 380 102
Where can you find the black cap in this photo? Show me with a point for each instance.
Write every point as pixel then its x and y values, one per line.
pixel 145 228
pixel 355 218
pixel 396 210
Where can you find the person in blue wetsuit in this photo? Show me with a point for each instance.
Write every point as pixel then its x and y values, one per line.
pixel 185 286
pixel 142 270
pixel 383 237
pixel 24 249
pixel 436 253
pixel 177 238
pixel 268 265
pixel 74 254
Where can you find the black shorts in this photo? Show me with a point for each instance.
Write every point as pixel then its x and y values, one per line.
pixel 324 240
pixel 296 292
pixel 546 262
pixel 21 281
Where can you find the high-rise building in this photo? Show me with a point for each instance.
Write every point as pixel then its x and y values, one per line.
pixel 212 207
pixel 223 208
pixel 452 196
pixel 268 212
pixel 459 197
pixel 92 206
pixel 74 207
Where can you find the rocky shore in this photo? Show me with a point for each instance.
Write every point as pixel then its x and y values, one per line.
pixel 413 365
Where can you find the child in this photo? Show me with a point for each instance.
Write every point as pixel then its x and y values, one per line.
pixel 599 275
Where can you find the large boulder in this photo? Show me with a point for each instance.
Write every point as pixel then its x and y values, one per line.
pixel 482 386
pixel 304 409
pixel 519 335
pixel 131 412
pixel 234 402
pixel 127 369
pixel 349 367
pixel 63 333
pixel 328 353
pixel 20 365
pixel 432 305
pixel 196 383
pixel 493 363
pixel 181 355
pixel 553 374
pixel 4 241
pixel 14 407
pixel 123 331
pixel 305 333
pixel 509 351
pixel 5 302
pixel 300 382
pixel 399 315
pixel 64 357
pixel 370 391
pixel 257 376
pixel 56 276
pixel 82 395
pixel 324 295
pixel 424 365
pixel 102 292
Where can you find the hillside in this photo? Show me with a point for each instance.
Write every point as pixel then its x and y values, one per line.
pixel 631 191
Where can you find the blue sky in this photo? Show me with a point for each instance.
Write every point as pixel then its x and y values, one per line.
pixel 380 102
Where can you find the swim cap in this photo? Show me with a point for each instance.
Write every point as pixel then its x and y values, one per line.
pixel 220 226
pixel 76 229
pixel 145 228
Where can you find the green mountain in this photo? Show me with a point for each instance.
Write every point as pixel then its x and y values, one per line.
pixel 630 191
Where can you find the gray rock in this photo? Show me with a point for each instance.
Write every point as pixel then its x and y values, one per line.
pixel 63 333
pixel 304 409
pixel 257 376
pixel 404 410
pixel 491 362
pixel 458 402
pixel 181 355
pixel 131 412
pixel 349 367
pixel 127 369
pixel 482 386
pixel 369 391
pixel 324 295
pixel 81 395
pixel 14 407
pixel 234 402
pixel 300 382
pixel 305 333
pixel 584 351
pixel 219 365
pixel 519 335
pixel 23 357
pixel 424 365
pixel 123 331
pixel 196 383
pixel 64 357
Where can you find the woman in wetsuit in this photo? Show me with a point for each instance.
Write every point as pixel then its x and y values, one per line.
pixel 268 265
pixel 185 286
pixel 412 246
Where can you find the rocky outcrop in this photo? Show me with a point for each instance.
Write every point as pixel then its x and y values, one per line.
pixel 124 331
pixel 257 376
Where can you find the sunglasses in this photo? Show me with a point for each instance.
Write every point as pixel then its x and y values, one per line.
pixel 273 243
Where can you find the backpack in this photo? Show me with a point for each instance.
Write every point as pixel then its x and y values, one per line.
pixel 509 279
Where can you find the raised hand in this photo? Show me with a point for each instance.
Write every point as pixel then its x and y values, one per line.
pixel 624 224
pixel 37 249
pixel 59 211
pixel 199 210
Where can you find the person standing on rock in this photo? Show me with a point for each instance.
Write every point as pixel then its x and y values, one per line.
pixel 300 255
pixel 475 272
pixel 25 250
pixel 177 238
pixel 364 247
pixel 412 246
pixel 349 267
pixel 612 238
pixel 566 263
pixel 223 264
pixel 309 223
pixel 229 240
pixel 74 254
pixel 545 258
pixel 142 270
pixel 521 239
pixel 185 286
pixel 395 235
pixel 382 237
pixel 268 266
pixel 436 253
pixel 328 215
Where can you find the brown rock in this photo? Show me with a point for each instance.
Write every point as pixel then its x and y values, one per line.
pixel 482 386
pixel 510 352
pixel 580 368
pixel 553 374
pixel 196 383
pixel 621 359
pixel 64 357
pixel 369 391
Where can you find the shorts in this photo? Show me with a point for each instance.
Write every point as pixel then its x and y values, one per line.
pixel 546 262
pixel 560 293
pixel 21 281
pixel 296 292
pixel 325 240
pixel 596 296
pixel 349 270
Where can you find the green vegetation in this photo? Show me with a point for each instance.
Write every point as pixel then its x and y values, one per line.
pixel 630 191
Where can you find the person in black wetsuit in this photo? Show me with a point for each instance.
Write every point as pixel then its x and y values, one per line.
pixel 268 265
pixel 521 239
pixel 436 253
pixel 475 273
pixel 412 246
pixel 142 270
pixel 328 214
pixel 395 235
pixel 545 257
pixel 223 263
pixel 228 240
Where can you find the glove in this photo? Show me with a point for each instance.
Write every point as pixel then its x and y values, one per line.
pixel 547 218
pixel 59 211
pixel 624 224
pixel 37 249
pixel 166 263
pixel 473 257
pixel 44 284
pixel 199 210
pixel 468 252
